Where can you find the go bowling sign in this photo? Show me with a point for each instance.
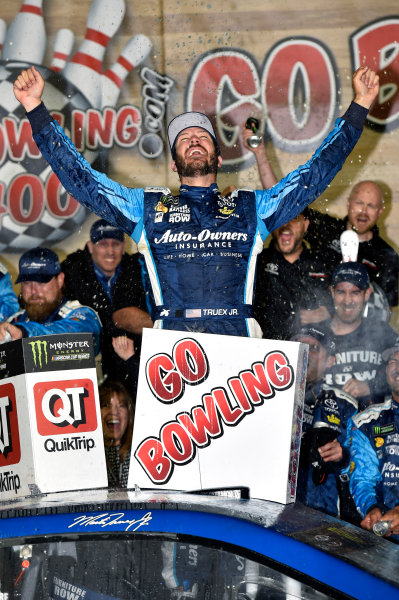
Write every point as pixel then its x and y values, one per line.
pixel 218 411
pixel 50 423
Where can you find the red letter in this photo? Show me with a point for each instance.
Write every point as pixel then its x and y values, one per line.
pixel 127 129
pixel 257 384
pixel 177 443
pixel 278 370
pixel 191 361
pixel 53 196
pixel 220 75
pixel 26 199
pixel 151 456
pixel 204 421
pixel 300 92
pixel 230 416
pixel 165 383
pixel 100 128
pixel 20 139
pixel 376 45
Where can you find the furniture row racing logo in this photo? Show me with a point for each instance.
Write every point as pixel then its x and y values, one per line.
pixel 65 407
pixel 223 406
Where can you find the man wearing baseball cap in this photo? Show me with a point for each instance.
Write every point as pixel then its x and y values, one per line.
pixel 45 309
pixel 200 248
pixel 359 342
pixel 374 446
pixel 105 277
pixel 322 481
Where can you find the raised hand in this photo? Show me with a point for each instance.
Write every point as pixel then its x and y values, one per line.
pixel 28 88
pixel 365 83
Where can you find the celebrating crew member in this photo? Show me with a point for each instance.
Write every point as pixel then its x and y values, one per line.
pixel 106 278
pixel 200 248
pixel 8 300
pixel 374 446
pixel 45 309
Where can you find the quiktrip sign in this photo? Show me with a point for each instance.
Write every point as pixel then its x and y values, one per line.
pixel 50 423
pixel 218 411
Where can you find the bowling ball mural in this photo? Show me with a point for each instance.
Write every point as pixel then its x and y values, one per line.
pixel 34 207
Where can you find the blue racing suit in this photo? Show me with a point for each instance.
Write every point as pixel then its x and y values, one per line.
pixel 8 300
pixel 200 248
pixel 69 317
pixel 374 447
pixel 326 408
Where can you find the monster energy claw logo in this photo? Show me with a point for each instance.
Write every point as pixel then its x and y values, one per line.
pixel 39 352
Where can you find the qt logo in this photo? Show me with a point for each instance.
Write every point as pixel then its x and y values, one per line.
pixel 10 450
pixel 65 406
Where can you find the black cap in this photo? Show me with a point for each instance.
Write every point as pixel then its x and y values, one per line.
pixel 319 333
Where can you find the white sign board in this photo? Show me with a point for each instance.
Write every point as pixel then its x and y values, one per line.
pixel 50 423
pixel 218 411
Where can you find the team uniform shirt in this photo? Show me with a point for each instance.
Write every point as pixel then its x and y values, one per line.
pixel 82 284
pixel 69 317
pixel 8 300
pixel 381 261
pixel 330 407
pixel 284 288
pixel 374 446
pixel 358 355
pixel 200 248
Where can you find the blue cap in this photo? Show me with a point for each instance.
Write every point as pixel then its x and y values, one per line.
pixel 101 230
pixel 38 264
pixel 353 272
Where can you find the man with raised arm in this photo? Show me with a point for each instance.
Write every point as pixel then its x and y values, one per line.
pixel 200 248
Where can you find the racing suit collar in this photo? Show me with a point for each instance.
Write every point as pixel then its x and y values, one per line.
pixel 199 192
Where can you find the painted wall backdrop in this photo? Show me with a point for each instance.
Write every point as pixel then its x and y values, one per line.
pixel 118 70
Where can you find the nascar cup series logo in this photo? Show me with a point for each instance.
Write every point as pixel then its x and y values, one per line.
pixel 64 408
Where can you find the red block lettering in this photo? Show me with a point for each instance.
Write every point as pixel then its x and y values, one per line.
pixel 230 79
pixel 165 382
pixel 279 370
pixel 300 92
pixel 376 45
pixel 177 443
pixel 191 361
pixel 204 422
pixel 151 457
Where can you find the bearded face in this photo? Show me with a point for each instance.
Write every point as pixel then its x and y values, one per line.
pixel 195 154
pixel 41 299
pixel 197 165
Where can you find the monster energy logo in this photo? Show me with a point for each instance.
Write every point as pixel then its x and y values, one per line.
pixel 384 429
pixel 39 352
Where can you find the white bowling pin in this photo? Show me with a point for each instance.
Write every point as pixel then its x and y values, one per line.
pixel 135 52
pixel 26 37
pixel 85 68
pixel 3 29
pixel 349 242
pixel 63 45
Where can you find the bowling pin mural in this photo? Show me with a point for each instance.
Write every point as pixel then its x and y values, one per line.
pixel 3 29
pixel 135 52
pixel 84 70
pixel 25 39
pixel 63 45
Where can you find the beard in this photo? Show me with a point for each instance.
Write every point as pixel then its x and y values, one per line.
pixel 201 166
pixel 40 311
